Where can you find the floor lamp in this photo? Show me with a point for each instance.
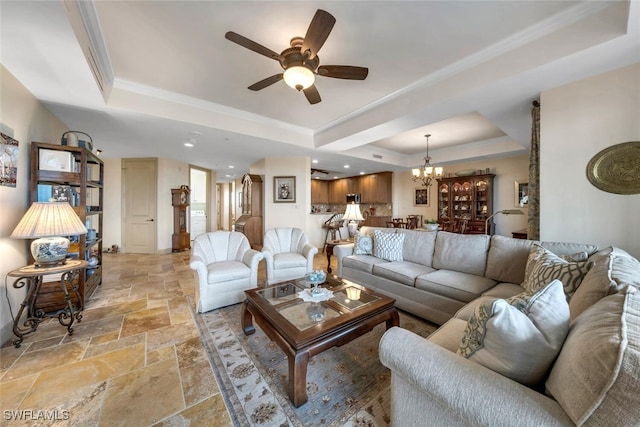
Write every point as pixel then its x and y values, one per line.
pixel 506 212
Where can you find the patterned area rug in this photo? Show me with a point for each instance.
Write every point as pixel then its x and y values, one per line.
pixel 347 386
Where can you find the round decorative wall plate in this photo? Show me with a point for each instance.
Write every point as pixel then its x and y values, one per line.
pixel 616 169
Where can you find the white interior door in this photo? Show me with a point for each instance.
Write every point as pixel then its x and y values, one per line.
pixel 139 205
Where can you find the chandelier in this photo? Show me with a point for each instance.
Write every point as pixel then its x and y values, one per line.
pixel 427 172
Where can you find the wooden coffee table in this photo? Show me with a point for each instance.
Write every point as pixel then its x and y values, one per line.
pixel 303 329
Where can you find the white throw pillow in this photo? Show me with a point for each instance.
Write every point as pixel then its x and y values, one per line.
pixel 544 266
pixel 363 244
pixel 388 246
pixel 519 337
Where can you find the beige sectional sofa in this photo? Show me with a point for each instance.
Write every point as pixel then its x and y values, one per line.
pixel 593 378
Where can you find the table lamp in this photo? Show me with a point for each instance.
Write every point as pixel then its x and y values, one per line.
pixel 352 214
pixel 506 212
pixel 47 223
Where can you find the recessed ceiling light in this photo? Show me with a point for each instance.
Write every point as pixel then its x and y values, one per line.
pixel 189 144
pixel 361 172
pixel 231 166
pixel 346 166
pixel 314 161
pixel 335 177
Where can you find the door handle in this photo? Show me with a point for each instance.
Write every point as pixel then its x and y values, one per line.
pixel 150 220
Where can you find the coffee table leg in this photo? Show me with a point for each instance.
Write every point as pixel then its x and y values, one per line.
pixel 394 320
pixel 298 378
pixel 247 319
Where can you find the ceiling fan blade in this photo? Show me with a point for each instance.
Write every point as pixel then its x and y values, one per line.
pixel 251 45
pixel 312 94
pixel 343 72
pixel 266 82
pixel 317 33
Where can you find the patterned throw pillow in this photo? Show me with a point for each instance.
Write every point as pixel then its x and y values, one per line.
pixel 363 244
pixel 388 245
pixel 519 337
pixel 544 266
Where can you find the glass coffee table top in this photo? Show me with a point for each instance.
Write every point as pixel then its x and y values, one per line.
pixel 305 314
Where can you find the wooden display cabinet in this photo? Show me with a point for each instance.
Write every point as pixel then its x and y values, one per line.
pixel 75 175
pixel 250 223
pixel 467 199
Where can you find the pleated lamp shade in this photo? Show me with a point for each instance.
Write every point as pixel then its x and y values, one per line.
pixel 48 222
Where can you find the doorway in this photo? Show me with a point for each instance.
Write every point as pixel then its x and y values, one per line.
pixel 199 206
pixel 139 202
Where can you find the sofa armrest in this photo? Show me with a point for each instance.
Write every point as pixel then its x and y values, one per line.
pixel 341 251
pixel 309 251
pixel 455 390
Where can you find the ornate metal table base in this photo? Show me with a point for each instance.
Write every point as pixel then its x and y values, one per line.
pixel 32 277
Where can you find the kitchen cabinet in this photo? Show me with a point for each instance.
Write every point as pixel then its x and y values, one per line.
pixel 374 188
pixel 319 192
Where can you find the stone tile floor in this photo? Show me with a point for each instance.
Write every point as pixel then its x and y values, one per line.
pixel 135 358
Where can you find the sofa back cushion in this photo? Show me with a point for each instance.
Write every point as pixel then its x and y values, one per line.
pixel 507 259
pixel 418 246
pixel 613 270
pixel 466 253
pixel 221 246
pixel 596 378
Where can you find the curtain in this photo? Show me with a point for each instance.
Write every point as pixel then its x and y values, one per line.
pixel 533 225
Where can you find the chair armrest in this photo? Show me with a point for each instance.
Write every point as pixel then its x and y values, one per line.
pixel 251 258
pixel 200 266
pixel 461 391
pixel 309 251
pixel 341 251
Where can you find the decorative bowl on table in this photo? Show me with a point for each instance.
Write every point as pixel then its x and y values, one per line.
pixel 315 278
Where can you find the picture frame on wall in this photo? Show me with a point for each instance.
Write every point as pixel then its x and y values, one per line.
pixel 521 194
pixel 421 196
pixel 284 189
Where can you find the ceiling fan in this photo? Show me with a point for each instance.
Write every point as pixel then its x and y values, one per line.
pixel 314 170
pixel 300 61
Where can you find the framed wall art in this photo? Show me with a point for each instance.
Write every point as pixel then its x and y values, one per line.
pixel 8 160
pixel 521 194
pixel 284 189
pixel 421 196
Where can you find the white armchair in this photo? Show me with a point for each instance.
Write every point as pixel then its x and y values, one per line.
pixel 226 267
pixel 287 253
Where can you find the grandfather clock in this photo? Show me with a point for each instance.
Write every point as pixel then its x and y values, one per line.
pixel 180 240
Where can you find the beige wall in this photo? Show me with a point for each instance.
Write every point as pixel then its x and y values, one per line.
pixel 507 171
pixel 287 214
pixel 30 121
pixel 577 121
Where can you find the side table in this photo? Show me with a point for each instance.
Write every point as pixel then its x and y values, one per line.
pixel 328 248
pixel 32 277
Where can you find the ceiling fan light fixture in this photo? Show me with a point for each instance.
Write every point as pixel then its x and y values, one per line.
pixel 299 77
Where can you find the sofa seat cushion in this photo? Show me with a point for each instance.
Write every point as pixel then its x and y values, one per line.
pixel 454 284
pixel 519 337
pixel 289 260
pixel 543 266
pixel 402 271
pixel 362 262
pixel 224 271
pixel 467 311
pixel 466 253
pixel 450 334
pixel 504 290
pixel 596 378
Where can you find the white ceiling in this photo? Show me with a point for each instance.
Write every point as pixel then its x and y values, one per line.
pixel 463 71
